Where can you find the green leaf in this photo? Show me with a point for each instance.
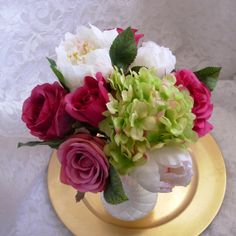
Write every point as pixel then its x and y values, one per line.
pixel 51 62
pixel 53 144
pixel 209 76
pixel 58 74
pixel 123 50
pixel 79 196
pixel 114 192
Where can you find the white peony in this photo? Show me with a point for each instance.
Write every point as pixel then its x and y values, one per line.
pixel 151 55
pixel 166 168
pixel 84 54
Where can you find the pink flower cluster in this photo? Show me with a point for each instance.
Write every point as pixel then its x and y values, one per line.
pixel 51 111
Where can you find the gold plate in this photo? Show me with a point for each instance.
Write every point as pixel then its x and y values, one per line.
pixel 184 212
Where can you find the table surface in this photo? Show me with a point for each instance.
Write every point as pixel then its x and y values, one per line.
pixel 30 30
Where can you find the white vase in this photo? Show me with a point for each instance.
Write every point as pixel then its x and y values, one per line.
pixel 141 202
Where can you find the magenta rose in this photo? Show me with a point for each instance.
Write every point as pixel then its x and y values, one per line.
pixel 84 165
pixel 201 95
pixel 137 37
pixel 87 103
pixel 44 112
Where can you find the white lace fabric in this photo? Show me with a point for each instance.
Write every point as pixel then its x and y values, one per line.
pixel 200 33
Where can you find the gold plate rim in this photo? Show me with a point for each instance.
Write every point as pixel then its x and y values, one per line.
pixel 193 220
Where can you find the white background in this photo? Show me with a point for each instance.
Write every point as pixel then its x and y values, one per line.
pixel 200 33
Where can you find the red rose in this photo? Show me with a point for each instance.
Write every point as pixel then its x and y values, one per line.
pixel 201 95
pixel 84 165
pixel 137 37
pixel 44 112
pixel 87 103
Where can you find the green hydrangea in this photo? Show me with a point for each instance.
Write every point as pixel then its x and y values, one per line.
pixel 145 112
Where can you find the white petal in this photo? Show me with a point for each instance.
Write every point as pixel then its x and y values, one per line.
pixel 97 36
pixel 89 35
pixel 100 61
pixel 109 36
pixel 170 155
pixel 74 74
pixel 101 39
pixel 165 187
pixel 104 38
pixel 147 176
pixel 151 55
pixel 95 61
pixel 177 161
pixel 180 176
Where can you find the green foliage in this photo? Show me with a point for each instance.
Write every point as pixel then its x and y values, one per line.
pixel 209 76
pixel 123 50
pixel 53 143
pixel 79 196
pixel 114 192
pixel 58 74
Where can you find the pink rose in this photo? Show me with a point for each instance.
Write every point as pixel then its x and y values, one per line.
pixel 201 95
pixel 44 112
pixel 137 37
pixel 84 165
pixel 87 103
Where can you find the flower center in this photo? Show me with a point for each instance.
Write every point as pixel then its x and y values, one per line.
pixel 76 53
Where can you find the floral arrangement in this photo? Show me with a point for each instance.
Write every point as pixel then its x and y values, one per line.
pixel 120 109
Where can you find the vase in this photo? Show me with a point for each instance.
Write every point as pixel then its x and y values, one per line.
pixel 166 168
pixel 141 202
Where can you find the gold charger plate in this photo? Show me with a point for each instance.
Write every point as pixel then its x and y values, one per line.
pixel 184 212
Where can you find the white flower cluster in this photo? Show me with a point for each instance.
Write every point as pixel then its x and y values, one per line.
pixel 87 52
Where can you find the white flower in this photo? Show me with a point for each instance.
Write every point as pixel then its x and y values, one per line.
pixel 84 54
pixel 167 167
pixel 151 55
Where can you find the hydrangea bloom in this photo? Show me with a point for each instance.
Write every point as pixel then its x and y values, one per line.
pixel 146 113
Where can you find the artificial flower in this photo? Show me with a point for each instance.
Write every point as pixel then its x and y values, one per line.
pixel 151 55
pixel 84 54
pixel 122 118
pixel 87 103
pixel 166 168
pixel 202 107
pixel 84 165
pixel 44 112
